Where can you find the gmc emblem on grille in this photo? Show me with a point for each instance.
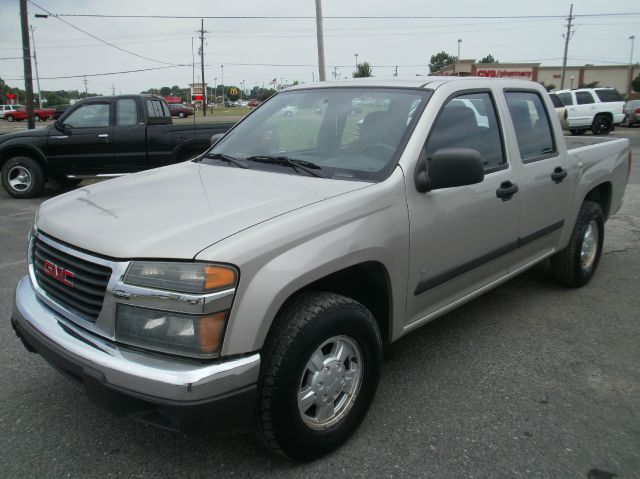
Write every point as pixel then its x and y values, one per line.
pixel 58 273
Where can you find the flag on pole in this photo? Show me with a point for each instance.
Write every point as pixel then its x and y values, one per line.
pixel 273 82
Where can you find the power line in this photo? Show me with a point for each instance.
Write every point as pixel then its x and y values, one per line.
pixel 339 17
pixel 104 74
pixel 98 38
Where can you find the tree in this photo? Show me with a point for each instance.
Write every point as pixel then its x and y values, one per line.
pixel 592 84
pixel 635 84
pixel 489 59
pixel 165 91
pixel 549 87
pixel 440 60
pixel 363 70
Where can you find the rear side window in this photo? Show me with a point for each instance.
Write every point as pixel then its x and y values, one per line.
pixel 556 101
pixel 566 98
pixel 609 94
pixel 126 112
pixel 584 97
pixel 531 124
pixel 469 121
pixel 157 109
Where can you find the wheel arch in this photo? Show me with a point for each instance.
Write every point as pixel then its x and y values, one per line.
pixel 601 194
pixel 183 150
pixel 11 151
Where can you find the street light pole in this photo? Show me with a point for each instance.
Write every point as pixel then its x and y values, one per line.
pixel 458 67
pixel 356 55
pixel 633 39
pixel 35 59
pixel 215 91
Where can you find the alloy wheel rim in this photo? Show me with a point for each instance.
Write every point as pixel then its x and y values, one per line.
pixel 19 178
pixel 589 247
pixel 330 382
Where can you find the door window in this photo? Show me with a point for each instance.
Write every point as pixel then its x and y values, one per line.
pixel 566 99
pixel 158 109
pixel 531 124
pixel 93 115
pixel 126 112
pixel 469 121
pixel 584 97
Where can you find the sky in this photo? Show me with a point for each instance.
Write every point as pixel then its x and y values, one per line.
pixel 259 50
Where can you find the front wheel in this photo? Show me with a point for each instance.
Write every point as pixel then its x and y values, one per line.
pixel 10 118
pixel 36 118
pixel 320 373
pixel 576 264
pixel 181 115
pixel 22 177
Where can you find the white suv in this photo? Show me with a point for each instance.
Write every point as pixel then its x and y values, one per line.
pixel 6 108
pixel 595 109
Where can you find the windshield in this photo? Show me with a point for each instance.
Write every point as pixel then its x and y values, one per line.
pixel 342 133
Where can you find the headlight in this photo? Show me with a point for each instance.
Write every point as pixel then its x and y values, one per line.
pixel 182 277
pixel 175 333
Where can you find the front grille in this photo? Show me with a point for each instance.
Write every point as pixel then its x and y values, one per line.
pixel 89 280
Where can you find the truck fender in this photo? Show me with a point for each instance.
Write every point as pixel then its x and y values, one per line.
pixel 14 148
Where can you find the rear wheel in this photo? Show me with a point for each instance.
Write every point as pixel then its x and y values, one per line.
pixel 576 131
pixel 181 115
pixel 62 182
pixel 602 125
pixel 22 177
pixel 576 264
pixel 321 367
pixel 10 118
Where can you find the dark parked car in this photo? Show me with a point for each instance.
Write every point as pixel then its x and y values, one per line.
pixel 631 113
pixel 180 111
pixel 99 136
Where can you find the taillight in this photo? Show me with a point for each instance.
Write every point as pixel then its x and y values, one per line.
pixel 638 111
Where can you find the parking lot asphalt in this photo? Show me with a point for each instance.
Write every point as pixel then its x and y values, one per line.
pixel 530 380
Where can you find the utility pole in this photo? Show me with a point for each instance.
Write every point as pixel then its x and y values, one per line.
pixel 204 90
pixel 356 55
pixel 113 89
pixel 86 91
pixel 335 73
pixel 35 59
pixel 633 39
pixel 567 36
pixel 458 60
pixel 320 35
pixel 222 75
pixel 26 58
pixel 395 74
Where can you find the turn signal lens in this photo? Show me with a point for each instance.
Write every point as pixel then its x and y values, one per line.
pixel 211 332
pixel 217 277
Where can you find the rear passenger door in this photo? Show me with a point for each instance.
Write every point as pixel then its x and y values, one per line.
pixel 585 108
pixel 545 185
pixel 461 238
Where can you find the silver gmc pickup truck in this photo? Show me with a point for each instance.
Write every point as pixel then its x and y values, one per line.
pixel 256 284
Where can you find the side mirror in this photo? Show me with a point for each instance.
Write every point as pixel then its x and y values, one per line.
pixel 448 168
pixel 216 138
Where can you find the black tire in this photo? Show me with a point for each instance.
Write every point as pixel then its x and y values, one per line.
pixel 181 115
pixel 625 122
pixel 306 323
pixel 577 131
pixel 10 118
pixel 602 125
pixel 567 266
pixel 30 169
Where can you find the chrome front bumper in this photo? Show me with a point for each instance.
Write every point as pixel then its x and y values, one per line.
pixel 150 377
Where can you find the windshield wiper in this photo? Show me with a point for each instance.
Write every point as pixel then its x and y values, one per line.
pixel 305 166
pixel 226 158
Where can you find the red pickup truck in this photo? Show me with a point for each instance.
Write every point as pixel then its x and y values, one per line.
pixel 39 114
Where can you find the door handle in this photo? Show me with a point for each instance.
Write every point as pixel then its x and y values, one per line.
pixel 559 174
pixel 103 135
pixel 506 190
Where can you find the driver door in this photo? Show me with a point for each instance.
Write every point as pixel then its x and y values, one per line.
pixel 85 147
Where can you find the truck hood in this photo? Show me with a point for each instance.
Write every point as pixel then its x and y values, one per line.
pixel 177 211
pixel 35 133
